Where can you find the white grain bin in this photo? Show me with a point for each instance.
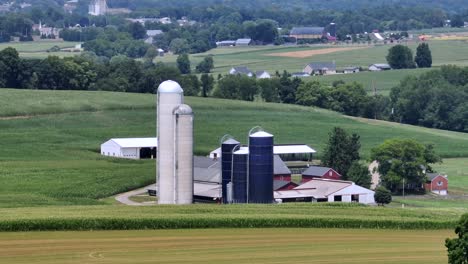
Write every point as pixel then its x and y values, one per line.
pixel 170 96
pixel 183 124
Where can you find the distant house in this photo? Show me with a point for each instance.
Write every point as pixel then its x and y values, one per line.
pixel 300 74
pixel 436 183
pixel 149 40
pixel 262 75
pixel 317 172
pixel 281 172
pixel 283 185
pixel 154 32
pixel 160 52
pixel 243 42
pixel 325 190
pixel 350 70
pixel 320 68
pixel 379 67
pixel 226 43
pixel 307 32
pixel 241 70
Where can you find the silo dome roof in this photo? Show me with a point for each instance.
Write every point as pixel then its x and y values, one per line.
pixel 170 86
pixel 183 109
pixel 261 134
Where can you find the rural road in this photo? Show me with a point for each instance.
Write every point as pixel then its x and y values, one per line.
pixel 125 197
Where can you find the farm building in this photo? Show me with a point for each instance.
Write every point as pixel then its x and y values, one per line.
pixel 307 32
pixel 379 67
pixel 281 172
pixel 241 70
pixel 153 32
pixel 226 43
pixel 348 70
pixel 320 68
pixel 283 185
pixel 300 74
pixel 325 190
pixel 287 152
pixel 317 172
pixel 243 42
pixel 130 148
pixel 436 183
pixel 262 75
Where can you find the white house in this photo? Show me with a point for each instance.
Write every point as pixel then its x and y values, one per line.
pixel 130 148
pixel 97 7
pixel 241 70
pixel 351 69
pixel 262 75
pixel 320 68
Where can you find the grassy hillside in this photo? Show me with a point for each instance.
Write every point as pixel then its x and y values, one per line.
pixel 50 139
pixel 227 246
pixel 38 49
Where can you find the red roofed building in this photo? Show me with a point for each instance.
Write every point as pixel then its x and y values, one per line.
pixel 436 183
pixel 316 172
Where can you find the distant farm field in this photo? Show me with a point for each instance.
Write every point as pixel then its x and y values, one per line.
pixel 38 49
pixel 226 246
pixel 51 139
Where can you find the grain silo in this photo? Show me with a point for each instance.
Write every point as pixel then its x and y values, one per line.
pixel 183 153
pixel 227 148
pixel 260 168
pixel 239 176
pixel 170 97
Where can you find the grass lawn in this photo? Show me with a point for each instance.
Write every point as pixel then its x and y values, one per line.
pixel 50 152
pixel 38 49
pixel 226 246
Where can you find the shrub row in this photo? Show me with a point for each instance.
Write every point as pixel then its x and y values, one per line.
pixel 214 222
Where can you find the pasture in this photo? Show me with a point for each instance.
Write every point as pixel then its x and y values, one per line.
pixel 50 139
pixel 226 246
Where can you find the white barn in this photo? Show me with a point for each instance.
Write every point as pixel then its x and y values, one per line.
pixel 130 148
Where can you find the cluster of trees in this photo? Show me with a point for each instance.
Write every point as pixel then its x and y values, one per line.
pixel 436 99
pixel 14 25
pixel 403 163
pixel 401 57
pixel 89 72
pixel 458 247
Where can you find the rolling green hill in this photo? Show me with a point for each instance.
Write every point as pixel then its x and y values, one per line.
pixel 50 139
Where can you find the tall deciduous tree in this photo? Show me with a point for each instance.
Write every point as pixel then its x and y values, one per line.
pixel 359 174
pixel 403 161
pixel 207 82
pixel 382 196
pixel 183 63
pixel 400 57
pixel 10 67
pixel 205 65
pixel 341 150
pixel 458 247
pixel 423 56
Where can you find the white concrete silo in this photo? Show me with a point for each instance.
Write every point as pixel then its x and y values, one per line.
pixel 170 96
pixel 183 125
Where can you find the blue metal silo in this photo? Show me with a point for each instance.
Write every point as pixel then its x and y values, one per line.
pixel 260 177
pixel 227 148
pixel 239 176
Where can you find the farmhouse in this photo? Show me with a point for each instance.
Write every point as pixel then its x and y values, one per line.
pixel 379 67
pixel 307 32
pixel 241 70
pixel 436 183
pixel 262 75
pixel 325 190
pixel 352 69
pixel 320 68
pixel 317 172
pixel 243 42
pixel 130 148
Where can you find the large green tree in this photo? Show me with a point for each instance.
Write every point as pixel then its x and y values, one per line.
pixel 382 196
pixel 9 67
pixel 183 63
pixel 341 150
pixel 359 174
pixel 458 247
pixel 423 56
pixel 403 161
pixel 400 57
pixel 207 83
pixel 205 65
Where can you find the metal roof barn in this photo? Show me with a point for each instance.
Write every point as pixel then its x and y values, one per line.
pixel 130 148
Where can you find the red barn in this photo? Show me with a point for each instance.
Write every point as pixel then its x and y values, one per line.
pixel 283 185
pixel 316 172
pixel 281 172
pixel 436 183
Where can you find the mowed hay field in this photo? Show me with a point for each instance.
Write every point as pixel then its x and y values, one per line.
pixel 50 140
pixel 38 49
pixel 226 246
